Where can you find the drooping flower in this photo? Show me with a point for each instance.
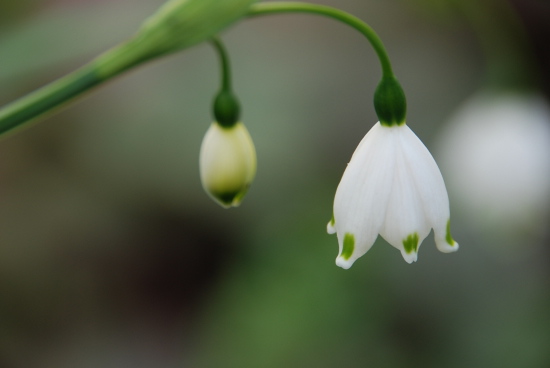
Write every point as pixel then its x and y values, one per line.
pixel 227 163
pixel 392 187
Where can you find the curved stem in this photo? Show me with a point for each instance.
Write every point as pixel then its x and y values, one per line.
pixel 354 22
pixel 224 62
pixel 226 105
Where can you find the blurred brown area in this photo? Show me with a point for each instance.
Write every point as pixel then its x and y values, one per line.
pixel 111 255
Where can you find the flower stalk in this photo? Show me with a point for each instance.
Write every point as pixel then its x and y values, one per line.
pixel 389 99
pixel 226 105
pixel 327 11
pixel 177 25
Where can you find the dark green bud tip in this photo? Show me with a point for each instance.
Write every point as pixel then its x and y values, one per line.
pixel 389 102
pixel 226 109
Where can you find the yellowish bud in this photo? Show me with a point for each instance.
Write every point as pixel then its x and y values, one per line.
pixel 227 163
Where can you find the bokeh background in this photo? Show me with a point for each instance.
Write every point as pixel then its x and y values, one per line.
pixel 111 255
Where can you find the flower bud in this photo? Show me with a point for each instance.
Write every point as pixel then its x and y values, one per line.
pixel 227 163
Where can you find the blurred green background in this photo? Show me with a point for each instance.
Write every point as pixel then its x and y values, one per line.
pixel 111 255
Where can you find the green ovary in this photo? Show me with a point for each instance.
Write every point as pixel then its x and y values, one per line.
pixel 411 243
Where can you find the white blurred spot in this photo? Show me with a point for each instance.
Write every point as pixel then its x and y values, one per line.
pixel 495 156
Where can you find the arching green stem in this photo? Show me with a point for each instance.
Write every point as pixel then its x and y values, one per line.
pixel 389 99
pixel 342 16
pixel 224 63
pixel 226 105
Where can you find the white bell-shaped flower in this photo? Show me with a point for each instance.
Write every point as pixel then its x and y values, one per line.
pixel 392 187
pixel 227 163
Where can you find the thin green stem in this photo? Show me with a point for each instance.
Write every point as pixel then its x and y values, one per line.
pixel 47 98
pixel 226 105
pixel 354 22
pixel 58 93
pixel 224 62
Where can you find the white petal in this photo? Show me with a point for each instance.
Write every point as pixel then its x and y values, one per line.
pixel 406 224
pixel 331 229
pixel 362 195
pixel 430 187
pixel 443 239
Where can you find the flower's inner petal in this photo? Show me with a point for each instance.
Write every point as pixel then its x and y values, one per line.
pixel 426 176
pixel 405 219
